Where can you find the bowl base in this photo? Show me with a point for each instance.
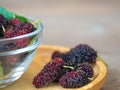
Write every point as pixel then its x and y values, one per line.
pixel 5 84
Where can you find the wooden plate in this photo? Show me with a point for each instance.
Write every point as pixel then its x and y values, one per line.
pixel 42 56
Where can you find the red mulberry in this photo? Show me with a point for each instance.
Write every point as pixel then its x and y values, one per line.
pixel 87 68
pixel 27 27
pixel 73 79
pixel 15 21
pixel 21 43
pixel 9 32
pixel 48 73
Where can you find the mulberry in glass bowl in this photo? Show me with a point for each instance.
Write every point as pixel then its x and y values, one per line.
pixel 17 48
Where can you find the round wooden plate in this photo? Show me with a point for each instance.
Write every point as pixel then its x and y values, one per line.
pixel 42 56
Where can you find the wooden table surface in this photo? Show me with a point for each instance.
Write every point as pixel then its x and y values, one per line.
pixel 70 22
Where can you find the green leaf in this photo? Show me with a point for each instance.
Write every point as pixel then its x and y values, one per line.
pixel 22 18
pixel 9 15
pixel 35 23
pixel 32 41
pixel 1 71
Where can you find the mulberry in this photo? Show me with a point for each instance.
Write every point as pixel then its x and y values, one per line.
pixel 9 32
pixel 27 27
pixel 73 79
pixel 87 68
pixel 21 43
pixel 70 60
pixel 15 21
pixel 3 22
pixel 13 59
pixel 48 73
pixel 63 71
pixel 20 32
pixel 9 46
pixel 84 53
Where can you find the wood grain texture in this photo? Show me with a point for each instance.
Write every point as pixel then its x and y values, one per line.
pixel 42 56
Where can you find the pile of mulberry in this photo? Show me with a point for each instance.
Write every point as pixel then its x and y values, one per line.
pixel 79 58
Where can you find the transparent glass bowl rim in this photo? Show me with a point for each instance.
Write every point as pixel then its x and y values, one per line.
pixel 39 29
pixel 28 48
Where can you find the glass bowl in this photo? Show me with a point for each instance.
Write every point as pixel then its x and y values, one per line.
pixel 15 58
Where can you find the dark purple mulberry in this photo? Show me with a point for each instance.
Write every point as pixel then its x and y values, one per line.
pixel 48 73
pixel 3 22
pixel 70 60
pixel 73 79
pixel 87 68
pixel 84 53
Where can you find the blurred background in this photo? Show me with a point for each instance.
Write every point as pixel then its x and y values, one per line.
pixel 71 22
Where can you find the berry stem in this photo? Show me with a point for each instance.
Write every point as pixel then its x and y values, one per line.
pixel 70 67
pixel 3 28
pixel 91 79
